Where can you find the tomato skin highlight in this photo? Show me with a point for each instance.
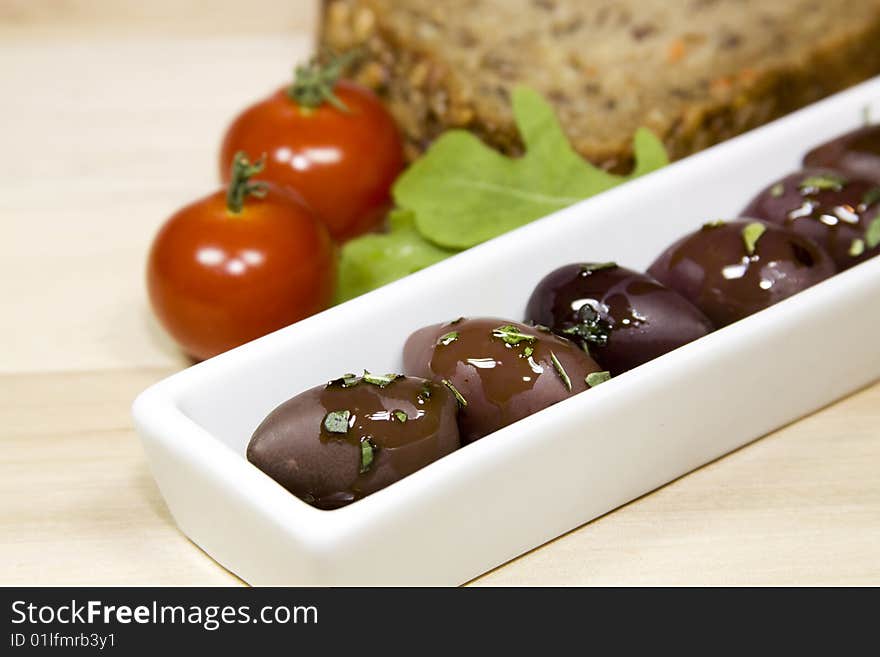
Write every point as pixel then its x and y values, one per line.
pixel 342 163
pixel 217 279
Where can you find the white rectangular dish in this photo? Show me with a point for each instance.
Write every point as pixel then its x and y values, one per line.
pixel 557 469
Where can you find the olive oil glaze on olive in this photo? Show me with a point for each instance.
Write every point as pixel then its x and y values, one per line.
pixel 336 443
pixel 503 370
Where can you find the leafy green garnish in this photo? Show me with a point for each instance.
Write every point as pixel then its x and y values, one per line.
pixel 560 370
pixel 751 234
pixel 425 393
pixel 463 192
pixel 372 261
pixel 458 396
pixel 400 416
pixel 777 190
pixel 380 380
pixel 823 181
pixel 367 449
pixel 512 335
pixel 871 196
pixel 448 338
pixel 337 421
pixel 856 248
pixel 872 235
pixel 527 352
pixel 595 378
pixel 717 223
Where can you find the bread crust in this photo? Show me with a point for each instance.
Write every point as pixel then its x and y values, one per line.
pixel 430 85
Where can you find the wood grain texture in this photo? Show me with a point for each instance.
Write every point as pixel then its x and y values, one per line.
pixel 113 124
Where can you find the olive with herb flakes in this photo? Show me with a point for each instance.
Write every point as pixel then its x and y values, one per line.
pixel 856 154
pixel 336 443
pixel 730 270
pixel 621 317
pixel 500 371
pixel 838 212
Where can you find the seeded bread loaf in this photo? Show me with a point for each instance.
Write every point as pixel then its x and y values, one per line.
pixel 694 71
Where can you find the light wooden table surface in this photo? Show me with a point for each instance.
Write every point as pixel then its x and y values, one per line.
pixel 111 115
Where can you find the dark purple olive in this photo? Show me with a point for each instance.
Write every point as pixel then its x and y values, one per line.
pixel 624 318
pixel 856 154
pixel 501 371
pixel 731 270
pixel 840 214
pixel 339 442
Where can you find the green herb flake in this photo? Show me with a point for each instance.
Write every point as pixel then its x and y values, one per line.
pixel 463 192
pixel 872 235
pixel 560 370
pixel 345 381
pixel 400 416
pixel 871 196
pixel 595 378
pixel 380 380
pixel 448 339
pixel 527 352
pixel 717 223
pixel 823 182
pixel 590 267
pixel 425 393
pixel 511 335
pixel 856 248
pixel 751 234
pixel 337 421
pixel 590 329
pixel 367 452
pixel 458 396
pixel 777 190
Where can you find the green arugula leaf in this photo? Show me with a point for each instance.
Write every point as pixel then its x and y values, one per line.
pixel 463 192
pixel 372 261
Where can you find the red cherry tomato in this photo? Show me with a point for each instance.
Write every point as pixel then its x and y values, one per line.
pixel 337 146
pixel 218 277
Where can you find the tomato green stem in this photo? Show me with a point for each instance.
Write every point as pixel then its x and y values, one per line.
pixel 240 185
pixel 313 82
